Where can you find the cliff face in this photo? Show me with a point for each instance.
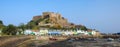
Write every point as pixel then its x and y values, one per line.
pixel 51 19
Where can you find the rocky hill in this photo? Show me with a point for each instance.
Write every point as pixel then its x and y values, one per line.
pixel 51 19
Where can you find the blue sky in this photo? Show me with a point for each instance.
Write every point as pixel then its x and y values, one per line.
pixel 103 15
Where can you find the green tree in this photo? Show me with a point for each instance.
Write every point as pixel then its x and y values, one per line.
pixel 1 24
pixel 35 28
pixel 30 25
pixel 83 28
pixel 10 30
pixel 22 28
pixel 39 20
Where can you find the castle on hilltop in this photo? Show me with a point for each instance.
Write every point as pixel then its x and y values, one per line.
pixel 51 19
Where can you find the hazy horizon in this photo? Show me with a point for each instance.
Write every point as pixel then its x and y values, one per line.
pixel 103 15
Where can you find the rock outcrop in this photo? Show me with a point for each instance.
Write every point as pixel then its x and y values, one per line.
pixel 51 19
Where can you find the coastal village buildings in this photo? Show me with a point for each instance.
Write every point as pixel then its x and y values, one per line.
pixel 45 32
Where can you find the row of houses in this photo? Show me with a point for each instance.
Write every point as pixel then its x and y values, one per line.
pixel 61 32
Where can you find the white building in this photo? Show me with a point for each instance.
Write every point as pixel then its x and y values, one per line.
pixel 82 32
pixel 93 32
pixel 43 31
pixel 28 32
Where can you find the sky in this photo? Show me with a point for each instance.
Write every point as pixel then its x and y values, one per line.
pixel 103 15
